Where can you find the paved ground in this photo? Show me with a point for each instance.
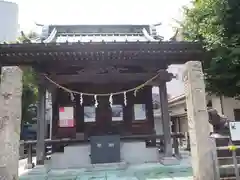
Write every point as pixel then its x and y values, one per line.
pixel 149 171
pixel 154 171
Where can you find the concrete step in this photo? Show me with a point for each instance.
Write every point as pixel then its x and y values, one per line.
pixel 227 160
pixel 228 178
pixel 225 142
pixel 222 142
pixel 228 170
pixel 226 147
pixel 224 152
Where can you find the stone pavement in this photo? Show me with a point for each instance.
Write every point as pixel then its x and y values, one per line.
pixel 148 171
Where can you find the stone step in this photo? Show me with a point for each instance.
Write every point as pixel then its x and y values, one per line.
pixel 228 170
pixel 225 142
pixel 224 152
pixel 227 160
pixel 226 147
pixel 228 178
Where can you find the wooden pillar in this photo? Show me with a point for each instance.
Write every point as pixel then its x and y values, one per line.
pixel 53 97
pixel 199 129
pixel 128 114
pixel 79 115
pixel 165 117
pixel 10 120
pixel 55 113
pixel 149 107
pixel 40 148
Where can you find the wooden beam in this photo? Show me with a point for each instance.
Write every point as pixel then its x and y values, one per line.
pixel 100 46
pixel 28 54
pixel 109 78
pixel 72 65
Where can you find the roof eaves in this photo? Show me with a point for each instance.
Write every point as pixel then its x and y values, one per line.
pixel 177 98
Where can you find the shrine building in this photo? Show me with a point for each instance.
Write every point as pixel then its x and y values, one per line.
pixel 100 78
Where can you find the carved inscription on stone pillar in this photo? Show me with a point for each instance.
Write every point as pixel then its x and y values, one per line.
pixel 10 120
pixel 198 126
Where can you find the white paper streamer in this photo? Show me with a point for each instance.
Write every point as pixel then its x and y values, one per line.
pixel 81 99
pixel 125 99
pixel 111 100
pixel 96 102
pixel 72 96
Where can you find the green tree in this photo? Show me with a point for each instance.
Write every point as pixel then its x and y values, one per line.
pixel 216 23
pixel 29 93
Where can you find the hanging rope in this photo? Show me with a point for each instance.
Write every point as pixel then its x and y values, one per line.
pixel 103 94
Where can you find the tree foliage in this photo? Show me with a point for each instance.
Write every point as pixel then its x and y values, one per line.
pixel 216 23
pixel 29 93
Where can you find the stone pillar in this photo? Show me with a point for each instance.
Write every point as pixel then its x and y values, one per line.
pixel 199 129
pixel 165 120
pixel 10 122
pixel 40 149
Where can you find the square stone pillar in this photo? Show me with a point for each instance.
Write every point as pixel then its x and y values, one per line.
pixel 10 121
pixel 198 126
pixel 41 110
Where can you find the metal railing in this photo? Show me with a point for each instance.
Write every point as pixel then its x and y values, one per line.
pixel 228 160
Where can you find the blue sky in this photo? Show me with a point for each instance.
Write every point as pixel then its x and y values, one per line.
pixel 105 12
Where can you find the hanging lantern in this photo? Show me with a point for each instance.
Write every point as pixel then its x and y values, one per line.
pixel 96 102
pixel 125 98
pixel 81 99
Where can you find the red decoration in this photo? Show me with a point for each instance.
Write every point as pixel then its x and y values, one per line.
pixel 66 123
pixel 61 109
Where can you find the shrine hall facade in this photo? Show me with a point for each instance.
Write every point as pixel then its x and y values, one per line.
pixel 100 78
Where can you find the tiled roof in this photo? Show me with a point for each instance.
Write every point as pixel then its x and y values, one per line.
pixel 82 33
pixel 112 38
pixel 177 98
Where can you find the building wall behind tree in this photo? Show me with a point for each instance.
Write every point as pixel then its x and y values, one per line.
pixel 228 105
